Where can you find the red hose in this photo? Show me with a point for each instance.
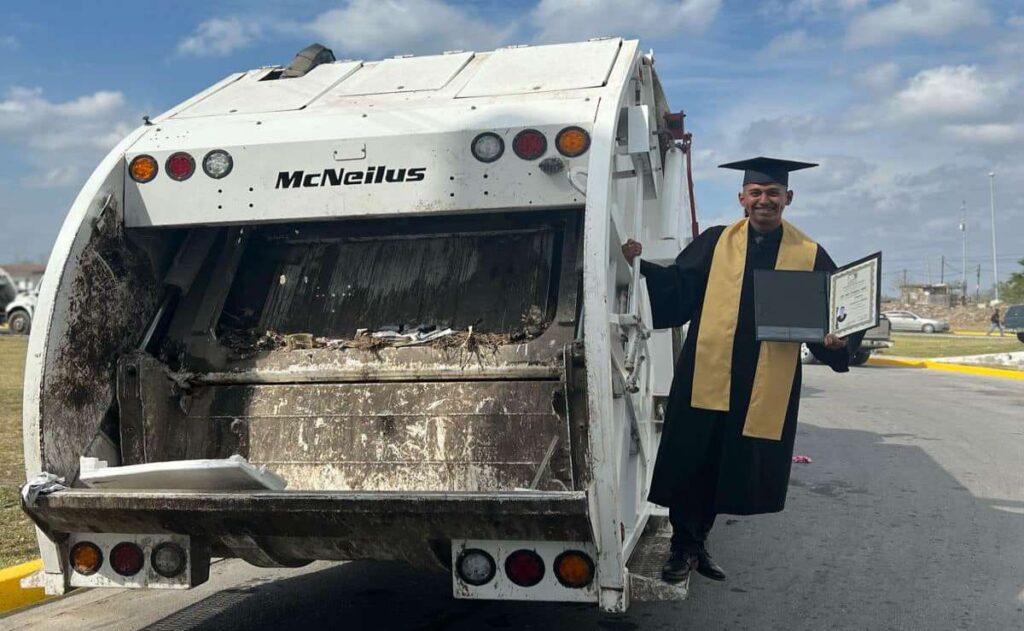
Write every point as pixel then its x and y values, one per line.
pixel 687 145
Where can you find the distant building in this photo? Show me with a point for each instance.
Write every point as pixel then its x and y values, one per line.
pixel 939 294
pixel 26 276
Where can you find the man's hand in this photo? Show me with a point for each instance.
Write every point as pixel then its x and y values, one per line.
pixel 834 343
pixel 631 250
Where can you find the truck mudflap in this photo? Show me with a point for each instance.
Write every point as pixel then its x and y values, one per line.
pixel 644 566
pixel 288 528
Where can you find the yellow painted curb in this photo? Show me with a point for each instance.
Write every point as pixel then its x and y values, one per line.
pixel 12 595
pixel 982 371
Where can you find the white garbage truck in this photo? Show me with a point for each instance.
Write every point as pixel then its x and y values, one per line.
pixel 368 310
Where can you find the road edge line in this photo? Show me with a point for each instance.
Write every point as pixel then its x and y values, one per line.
pixel 12 594
pixel 982 371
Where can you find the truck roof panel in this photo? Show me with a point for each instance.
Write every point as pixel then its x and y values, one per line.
pixel 257 91
pixel 402 74
pixel 532 69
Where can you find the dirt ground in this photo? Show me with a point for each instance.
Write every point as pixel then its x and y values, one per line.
pixel 967 318
pixel 17 538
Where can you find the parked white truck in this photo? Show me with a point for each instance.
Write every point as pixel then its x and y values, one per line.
pixel 233 277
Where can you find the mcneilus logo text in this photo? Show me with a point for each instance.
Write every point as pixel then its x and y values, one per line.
pixel 346 177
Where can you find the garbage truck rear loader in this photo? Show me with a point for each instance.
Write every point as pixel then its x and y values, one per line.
pixel 367 310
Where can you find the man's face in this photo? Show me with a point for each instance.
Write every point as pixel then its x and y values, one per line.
pixel 764 204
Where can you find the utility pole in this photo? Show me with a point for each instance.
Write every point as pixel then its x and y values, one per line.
pixel 992 196
pixel 942 269
pixel 977 288
pixel 963 238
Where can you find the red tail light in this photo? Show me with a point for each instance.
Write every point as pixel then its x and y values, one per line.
pixel 180 166
pixel 524 568
pixel 530 144
pixel 126 559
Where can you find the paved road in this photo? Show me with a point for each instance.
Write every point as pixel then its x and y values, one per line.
pixel 910 517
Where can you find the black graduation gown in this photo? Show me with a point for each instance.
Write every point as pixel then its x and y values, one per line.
pixel 753 473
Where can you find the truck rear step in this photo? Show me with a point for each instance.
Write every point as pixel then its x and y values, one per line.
pixel 644 566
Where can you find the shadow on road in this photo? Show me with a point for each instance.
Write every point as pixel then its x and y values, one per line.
pixel 876 535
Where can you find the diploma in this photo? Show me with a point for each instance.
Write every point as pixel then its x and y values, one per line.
pixel 854 294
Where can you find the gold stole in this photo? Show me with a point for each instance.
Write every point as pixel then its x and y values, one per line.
pixel 776 362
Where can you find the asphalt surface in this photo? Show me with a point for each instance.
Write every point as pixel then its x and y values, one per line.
pixel 911 516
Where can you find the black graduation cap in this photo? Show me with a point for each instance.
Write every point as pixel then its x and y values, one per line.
pixel 763 170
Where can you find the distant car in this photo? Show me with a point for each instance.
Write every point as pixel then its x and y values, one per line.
pixel 910 321
pixel 1014 320
pixel 19 313
pixel 874 339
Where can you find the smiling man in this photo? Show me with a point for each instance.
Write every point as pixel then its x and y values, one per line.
pixel 730 424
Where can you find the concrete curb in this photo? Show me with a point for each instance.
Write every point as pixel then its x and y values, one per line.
pixel 12 594
pixel 958 368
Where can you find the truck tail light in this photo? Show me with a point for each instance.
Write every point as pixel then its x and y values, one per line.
pixel 524 568
pixel 476 567
pixel 217 164
pixel 487 147
pixel 574 569
pixel 180 166
pixel 86 558
pixel 126 558
pixel 530 144
pixel 168 559
pixel 572 142
pixel 143 168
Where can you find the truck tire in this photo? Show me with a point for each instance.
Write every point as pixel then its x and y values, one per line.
pixel 928 328
pixel 19 322
pixel 860 357
pixel 1020 336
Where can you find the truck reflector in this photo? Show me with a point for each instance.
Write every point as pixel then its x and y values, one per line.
pixel 530 144
pixel 476 567
pixel 572 141
pixel 126 558
pixel 180 166
pixel 86 558
pixel 524 568
pixel 574 569
pixel 143 169
pixel 488 147
pixel 168 559
pixel 217 164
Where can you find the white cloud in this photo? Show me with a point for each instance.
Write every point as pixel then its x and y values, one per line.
pixel 220 36
pixel 796 9
pixel 987 133
pixel 914 18
pixel 951 92
pixel 793 42
pixel 378 28
pixel 28 117
pixel 880 78
pixel 57 177
pixel 571 20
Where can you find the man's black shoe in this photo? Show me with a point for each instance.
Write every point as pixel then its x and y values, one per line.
pixel 678 566
pixel 707 567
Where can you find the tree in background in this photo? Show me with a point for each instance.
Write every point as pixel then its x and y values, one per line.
pixel 1012 290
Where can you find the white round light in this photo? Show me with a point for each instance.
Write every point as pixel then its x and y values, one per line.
pixel 168 560
pixel 488 147
pixel 217 163
pixel 476 567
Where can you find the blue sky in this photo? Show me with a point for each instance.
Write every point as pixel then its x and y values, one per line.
pixel 908 104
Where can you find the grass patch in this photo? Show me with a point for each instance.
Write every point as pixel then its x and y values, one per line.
pixel 17 537
pixel 922 345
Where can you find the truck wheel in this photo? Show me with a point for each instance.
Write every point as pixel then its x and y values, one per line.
pixel 860 357
pixel 19 322
pixel 1020 336
pixel 928 328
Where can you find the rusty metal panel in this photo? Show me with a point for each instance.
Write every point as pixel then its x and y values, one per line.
pixel 453 436
pixel 330 281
